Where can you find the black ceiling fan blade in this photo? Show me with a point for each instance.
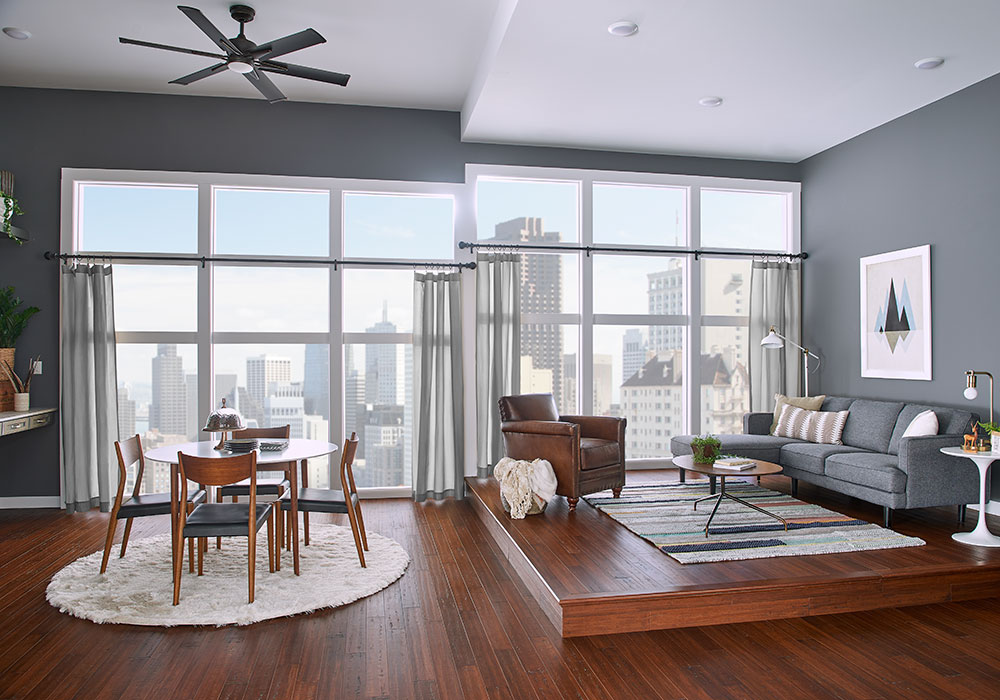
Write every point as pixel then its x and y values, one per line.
pixel 204 73
pixel 265 86
pixel 165 47
pixel 288 44
pixel 324 76
pixel 210 29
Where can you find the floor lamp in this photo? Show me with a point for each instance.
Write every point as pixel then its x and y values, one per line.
pixel 775 341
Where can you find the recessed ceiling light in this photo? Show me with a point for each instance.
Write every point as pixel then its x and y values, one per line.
pixel 710 101
pixel 17 33
pixel 623 28
pixel 929 63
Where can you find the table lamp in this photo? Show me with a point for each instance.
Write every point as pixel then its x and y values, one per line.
pixel 971 392
pixel 224 420
pixel 775 341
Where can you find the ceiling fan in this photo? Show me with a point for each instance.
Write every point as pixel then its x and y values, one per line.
pixel 247 58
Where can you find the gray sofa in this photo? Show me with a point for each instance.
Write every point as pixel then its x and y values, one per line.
pixel 875 463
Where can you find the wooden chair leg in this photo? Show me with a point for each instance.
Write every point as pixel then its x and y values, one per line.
pixel 128 531
pixel 270 542
pixel 201 555
pixel 288 530
pixel 191 555
pixel 252 562
pixel 354 530
pixel 305 527
pixel 178 562
pixel 361 525
pixel 112 524
pixel 278 535
pixel 218 499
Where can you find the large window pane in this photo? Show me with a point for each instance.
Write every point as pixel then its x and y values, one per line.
pixel 158 400
pixel 550 283
pixel 725 287
pixel 640 215
pixel 272 299
pixel 752 220
pixel 275 385
pixel 725 386
pixel 625 284
pixel 549 355
pixel 378 406
pixel 156 298
pixel 527 211
pixel 272 222
pixel 635 379
pixel 138 218
pixel 378 301
pixel 399 226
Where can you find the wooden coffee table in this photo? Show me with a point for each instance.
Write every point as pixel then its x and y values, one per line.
pixel 686 462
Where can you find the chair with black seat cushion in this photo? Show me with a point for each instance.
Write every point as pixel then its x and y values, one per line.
pixel 268 486
pixel 221 519
pixel 333 501
pixel 587 453
pixel 137 505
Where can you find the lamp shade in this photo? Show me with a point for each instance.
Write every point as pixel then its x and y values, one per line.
pixel 224 420
pixel 772 341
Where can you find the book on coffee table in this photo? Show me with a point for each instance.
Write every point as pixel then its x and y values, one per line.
pixel 735 463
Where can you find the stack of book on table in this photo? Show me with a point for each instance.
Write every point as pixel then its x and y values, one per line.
pixel 736 464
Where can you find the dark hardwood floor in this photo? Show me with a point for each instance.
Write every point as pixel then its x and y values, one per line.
pixel 460 624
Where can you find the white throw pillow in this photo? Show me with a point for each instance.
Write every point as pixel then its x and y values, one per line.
pixel 925 423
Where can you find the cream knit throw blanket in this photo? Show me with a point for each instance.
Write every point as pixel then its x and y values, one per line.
pixel 521 481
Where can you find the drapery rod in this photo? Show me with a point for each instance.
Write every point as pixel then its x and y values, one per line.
pixel 203 259
pixel 697 253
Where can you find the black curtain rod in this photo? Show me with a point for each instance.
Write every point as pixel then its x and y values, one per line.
pixel 697 253
pixel 286 261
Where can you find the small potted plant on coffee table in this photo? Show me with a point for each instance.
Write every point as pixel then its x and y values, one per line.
pixel 705 449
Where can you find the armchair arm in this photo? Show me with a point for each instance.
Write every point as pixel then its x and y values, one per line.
pixel 757 423
pixel 539 427
pixel 934 478
pixel 600 427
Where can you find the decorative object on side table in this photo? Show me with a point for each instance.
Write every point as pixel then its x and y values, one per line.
pixel 896 314
pixel 224 420
pixel 13 320
pixel 705 448
pixel 21 387
pixel 11 208
pixel 775 341
pixel 971 393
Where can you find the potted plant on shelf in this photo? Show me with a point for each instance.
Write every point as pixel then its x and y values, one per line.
pixel 705 449
pixel 994 430
pixel 13 320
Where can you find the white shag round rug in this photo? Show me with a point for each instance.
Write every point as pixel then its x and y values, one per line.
pixel 138 590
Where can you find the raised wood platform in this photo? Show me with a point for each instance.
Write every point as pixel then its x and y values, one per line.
pixel 591 576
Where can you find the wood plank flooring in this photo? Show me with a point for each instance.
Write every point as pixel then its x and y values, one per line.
pixel 460 624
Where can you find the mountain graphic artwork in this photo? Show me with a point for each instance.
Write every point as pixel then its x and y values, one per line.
pixel 893 320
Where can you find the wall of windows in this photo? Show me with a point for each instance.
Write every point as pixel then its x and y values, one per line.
pixel 623 333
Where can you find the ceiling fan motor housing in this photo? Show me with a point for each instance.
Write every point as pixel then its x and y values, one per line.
pixel 242 13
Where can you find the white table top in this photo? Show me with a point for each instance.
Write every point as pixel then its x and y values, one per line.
pixel 297 449
pixel 975 456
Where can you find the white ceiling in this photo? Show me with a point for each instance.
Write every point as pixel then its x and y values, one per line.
pixel 797 77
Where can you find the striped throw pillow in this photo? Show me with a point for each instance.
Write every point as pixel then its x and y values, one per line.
pixel 823 427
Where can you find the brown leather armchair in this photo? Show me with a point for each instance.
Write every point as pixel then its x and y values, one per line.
pixel 586 452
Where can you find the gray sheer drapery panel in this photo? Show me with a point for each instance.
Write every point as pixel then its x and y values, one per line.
pixel 775 300
pixel 439 411
pixel 498 346
pixel 88 397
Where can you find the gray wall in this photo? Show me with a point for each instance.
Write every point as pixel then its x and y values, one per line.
pixel 45 130
pixel 932 176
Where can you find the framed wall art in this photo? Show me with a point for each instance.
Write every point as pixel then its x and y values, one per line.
pixel 896 314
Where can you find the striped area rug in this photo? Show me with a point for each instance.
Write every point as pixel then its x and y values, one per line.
pixel 663 515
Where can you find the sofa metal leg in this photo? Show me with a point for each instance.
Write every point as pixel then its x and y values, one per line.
pixel 572 503
pixel 961 515
pixel 795 488
pixel 616 492
pixel 683 475
pixel 887 516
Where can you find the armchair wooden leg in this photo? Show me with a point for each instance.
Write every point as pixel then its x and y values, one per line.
pixel 112 523
pixel 128 531
pixel 572 503
pixel 616 492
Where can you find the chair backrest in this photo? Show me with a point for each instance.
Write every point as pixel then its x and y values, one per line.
pixel 219 471
pixel 278 431
pixel 528 407
pixel 129 452
pixel 346 462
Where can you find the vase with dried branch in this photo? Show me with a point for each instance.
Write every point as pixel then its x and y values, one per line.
pixel 21 387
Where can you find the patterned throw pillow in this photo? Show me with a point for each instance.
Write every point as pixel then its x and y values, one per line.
pixel 813 403
pixel 823 427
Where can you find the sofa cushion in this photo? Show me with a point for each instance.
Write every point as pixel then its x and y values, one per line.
pixel 595 453
pixel 871 423
pixel 810 403
pixel 877 471
pixel 824 427
pixel 950 422
pixel 837 403
pixel 765 447
pixel 811 457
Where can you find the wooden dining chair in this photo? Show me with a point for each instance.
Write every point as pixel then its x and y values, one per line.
pixel 268 486
pixel 332 501
pixel 221 519
pixel 137 505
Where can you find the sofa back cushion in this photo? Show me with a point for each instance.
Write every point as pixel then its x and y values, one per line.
pixel 837 403
pixel 951 421
pixel 870 424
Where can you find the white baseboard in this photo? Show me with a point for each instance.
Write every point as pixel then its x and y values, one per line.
pixel 30 502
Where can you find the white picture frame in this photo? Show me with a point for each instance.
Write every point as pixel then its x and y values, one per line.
pixel 896 314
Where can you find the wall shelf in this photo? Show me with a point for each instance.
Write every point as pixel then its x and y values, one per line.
pixel 18 421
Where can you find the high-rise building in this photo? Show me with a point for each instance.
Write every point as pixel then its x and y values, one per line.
pixel 262 372
pixel 633 352
pixel 602 384
pixel 384 440
pixel 126 413
pixel 168 409
pixel 569 384
pixel 194 425
pixel 316 386
pixel 355 409
pixel 285 405
pixel 666 296
pixel 225 388
pixel 541 292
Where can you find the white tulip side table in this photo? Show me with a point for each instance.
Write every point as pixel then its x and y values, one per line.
pixel 981 536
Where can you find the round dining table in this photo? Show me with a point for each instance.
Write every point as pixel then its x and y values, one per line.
pixel 297 453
